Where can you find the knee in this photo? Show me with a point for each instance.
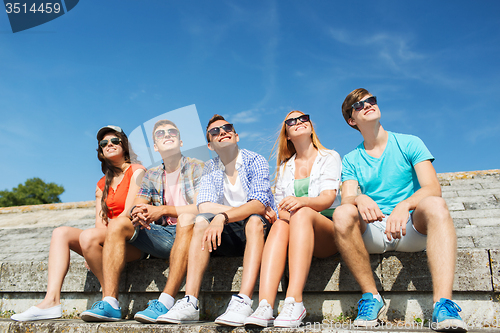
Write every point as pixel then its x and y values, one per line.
pixel 88 239
pixel 435 208
pixel 185 220
pixel 118 226
pixel 302 216
pixel 61 233
pixel 345 218
pixel 254 226
pixel 200 225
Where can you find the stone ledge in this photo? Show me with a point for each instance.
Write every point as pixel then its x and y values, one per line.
pixel 393 272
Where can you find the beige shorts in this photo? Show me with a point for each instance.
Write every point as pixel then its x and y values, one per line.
pixel 376 240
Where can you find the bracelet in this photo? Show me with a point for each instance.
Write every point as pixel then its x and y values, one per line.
pixel 226 218
pixel 130 213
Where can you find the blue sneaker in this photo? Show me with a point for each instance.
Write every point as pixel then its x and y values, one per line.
pixel 102 311
pixel 445 317
pixel 369 311
pixel 154 310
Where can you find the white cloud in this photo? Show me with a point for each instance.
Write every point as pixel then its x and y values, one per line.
pixel 246 117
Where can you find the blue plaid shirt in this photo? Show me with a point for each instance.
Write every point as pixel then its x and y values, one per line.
pixel 254 175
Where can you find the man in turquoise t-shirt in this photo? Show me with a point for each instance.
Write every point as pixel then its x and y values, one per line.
pixel 400 209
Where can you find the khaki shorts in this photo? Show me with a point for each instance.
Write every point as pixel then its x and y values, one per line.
pixel 376 240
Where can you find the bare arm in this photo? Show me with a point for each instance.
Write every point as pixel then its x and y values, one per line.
pixel 429 186
pixel 99 223
pixel 132 191
pixel 319 203
pixel 368 209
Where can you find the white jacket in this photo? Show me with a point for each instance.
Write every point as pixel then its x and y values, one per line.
pixel 325 175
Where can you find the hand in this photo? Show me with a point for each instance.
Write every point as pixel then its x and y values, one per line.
pixel 213 233
pixel 87 265
pixel 139 218
pixel 270 215
pixel 368 209
pixel 292 203
pixel 151 213
pixel 396 222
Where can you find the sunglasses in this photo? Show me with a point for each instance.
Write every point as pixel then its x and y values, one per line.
pixel 171 132
pixel 104 143
pixel 216 130
pixel 358 106
pixel 292 121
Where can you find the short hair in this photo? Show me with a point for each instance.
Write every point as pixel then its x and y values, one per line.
pixel 164 122
pixel 353 97
pixel 212 120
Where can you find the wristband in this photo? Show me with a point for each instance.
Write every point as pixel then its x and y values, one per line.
pixel 226 218
pixel 130 213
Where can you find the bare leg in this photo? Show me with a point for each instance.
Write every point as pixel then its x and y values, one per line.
pixel 179 254
pixel 63 240
pixel 310 234
pixel 91 241
pixel 198 259
pixel 348 237
pixel 273 261
pixel 116 252
pixel 254 231
pixel 432 217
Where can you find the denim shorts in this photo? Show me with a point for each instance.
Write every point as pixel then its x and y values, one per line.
pixel 376 240
pixel 157 242
pixel 233 238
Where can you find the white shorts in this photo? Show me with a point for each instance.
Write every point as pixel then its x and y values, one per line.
pixel 376 240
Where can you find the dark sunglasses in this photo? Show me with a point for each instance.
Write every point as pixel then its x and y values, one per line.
pixel 358 106
pixel 292 121
pixel 216 130
pixel 104 143
pixel 171 132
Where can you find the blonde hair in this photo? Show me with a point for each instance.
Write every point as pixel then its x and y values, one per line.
pixel 284 149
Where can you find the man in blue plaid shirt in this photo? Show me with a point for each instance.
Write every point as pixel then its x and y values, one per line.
pixel 235 202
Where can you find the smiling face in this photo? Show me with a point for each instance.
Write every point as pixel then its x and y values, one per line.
pixel 299 129
pixel 224 138
pixel 112 151
pixel 168 144
pixel 368 113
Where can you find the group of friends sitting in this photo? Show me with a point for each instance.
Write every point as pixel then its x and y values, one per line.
pixel 186 211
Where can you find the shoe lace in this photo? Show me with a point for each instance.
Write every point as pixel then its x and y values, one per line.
pixel 261 310
pixel 180 304
pixel 99 305
pixel 365 307
pixel 235 304
pixel 287 310
pixel 154 305
pixel 449 307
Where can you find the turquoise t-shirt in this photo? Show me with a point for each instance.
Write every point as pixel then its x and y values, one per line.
pixel 391 178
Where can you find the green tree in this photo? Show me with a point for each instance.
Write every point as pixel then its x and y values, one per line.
pixel 33 192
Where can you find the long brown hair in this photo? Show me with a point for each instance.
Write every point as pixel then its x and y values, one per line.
pixel 284 149
pixel 110 171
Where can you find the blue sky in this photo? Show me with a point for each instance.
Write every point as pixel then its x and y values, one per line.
pixel 434 66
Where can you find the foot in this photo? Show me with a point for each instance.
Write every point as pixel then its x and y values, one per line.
pixel 35 313
pixel 263 315
pixel 292 314
pixel 153 311
pixel 102 311
pixel 183 311
pixel 369 311
pixel 445 317
pixel 236 313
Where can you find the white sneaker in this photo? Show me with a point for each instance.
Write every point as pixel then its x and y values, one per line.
pixel 182 312
pixel 35 313
pixel 263 315
pixel 236 313
pixel 291 315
